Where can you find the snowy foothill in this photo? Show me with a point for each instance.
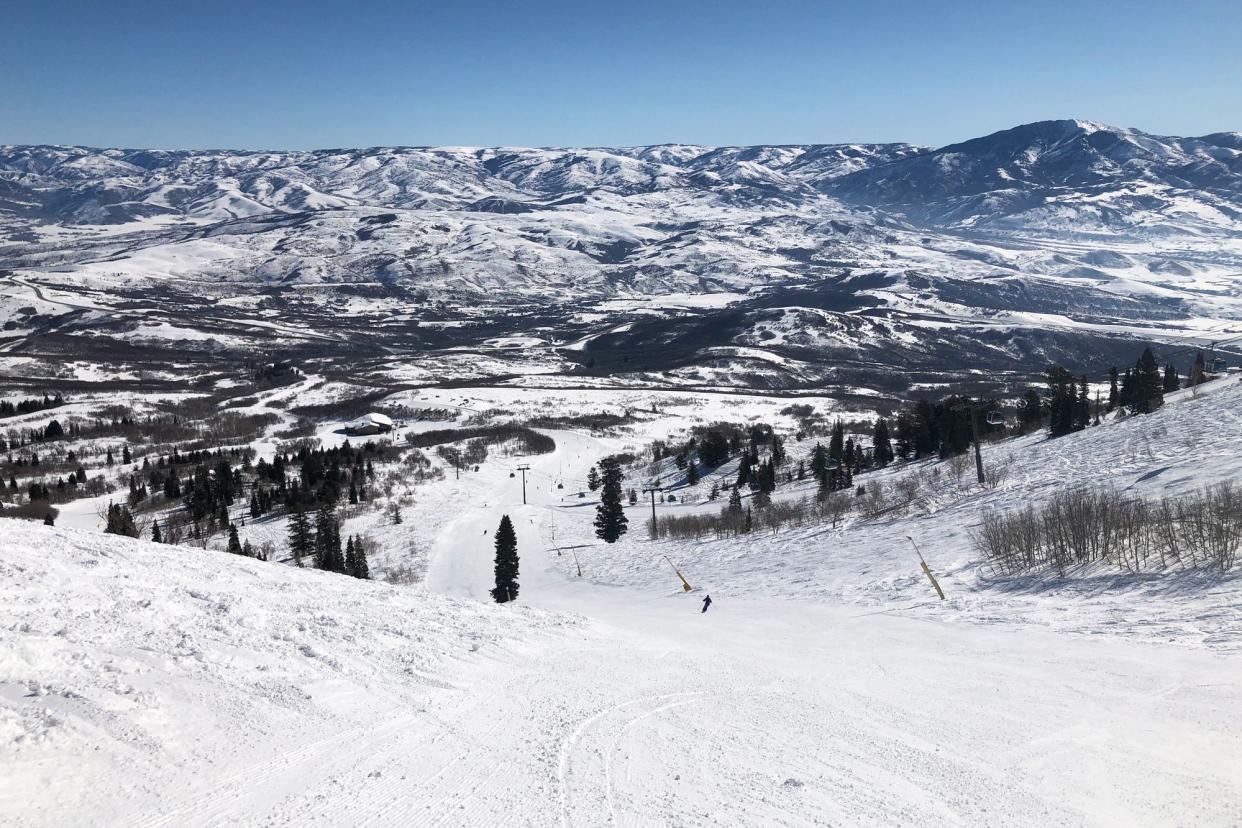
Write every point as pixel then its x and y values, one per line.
pixel 145 684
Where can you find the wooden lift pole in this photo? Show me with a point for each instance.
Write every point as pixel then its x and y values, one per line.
pixel 926 569
pixel 685 585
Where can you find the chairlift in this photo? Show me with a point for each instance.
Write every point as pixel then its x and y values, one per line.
pixel 560 485
pixel 995 418
pixel 511 474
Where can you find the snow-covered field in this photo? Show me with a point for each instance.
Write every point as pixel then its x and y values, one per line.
pixel 150 685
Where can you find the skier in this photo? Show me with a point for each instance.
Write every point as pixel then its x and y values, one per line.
pixel 707 602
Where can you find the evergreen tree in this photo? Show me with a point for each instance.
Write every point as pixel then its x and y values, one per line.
pixel 610 520
pixel 1064 403
pixel 819 462
pixel 714 493
pixel 53 431
pixel 883 451
pixel 1082 408
pixel 1125 396
pixel 120 521
pixel 593 479
pixel 361 568
pixel 235 547
pixel 836 443
pixel 351 562
pixel 156 537
pixel 1148 386
pixel 633 496
pixel 1030 412
pixel 506 563
pixel 125 457
pixel 735 502
pixel 692 473
pixel 108 457
pixel 301 543
pixel 1114 393
pixel 776 455
pixel 1172 381
pixel 248 550
pixel 713 449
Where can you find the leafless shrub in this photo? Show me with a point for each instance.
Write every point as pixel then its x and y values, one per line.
pixel 1202 530
pixel 996 473
pixel 957 465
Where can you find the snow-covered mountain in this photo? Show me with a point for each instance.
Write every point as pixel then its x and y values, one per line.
pixel 1049 241
pixel 1071 174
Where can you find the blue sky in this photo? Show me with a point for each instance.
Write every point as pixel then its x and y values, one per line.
pixel 308 74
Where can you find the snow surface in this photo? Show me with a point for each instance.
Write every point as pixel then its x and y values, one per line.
pixel 148 685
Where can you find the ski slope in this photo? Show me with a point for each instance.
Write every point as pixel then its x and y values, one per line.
pixel 148 685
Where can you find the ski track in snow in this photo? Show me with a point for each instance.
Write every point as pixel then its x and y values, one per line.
pixel 146 685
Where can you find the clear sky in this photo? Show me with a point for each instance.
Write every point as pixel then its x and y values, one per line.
pixel 286 74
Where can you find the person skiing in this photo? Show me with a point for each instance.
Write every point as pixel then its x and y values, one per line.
pixel 707 602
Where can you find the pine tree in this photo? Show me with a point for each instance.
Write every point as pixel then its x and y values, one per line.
pixel 610 520
pixel 1082 408
pixel 1114 393
pixel 692 473
pixel 125 457
pixel 819 462
pixel 836 443
pixel 1030 412
pixel 1172 381
pixel 235 547
pixel 361 568
pixel 156 536
pixel 883 451
pixel 593 479
pixel 120 521
pixel 301 543
pixel 1148 386
pixel 351 562
pixel 633 497
pixel 248 550
pixel 1063 406
pixel 735 502
pixel 506 562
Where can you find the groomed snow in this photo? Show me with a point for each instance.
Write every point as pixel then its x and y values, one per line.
pixel 148 685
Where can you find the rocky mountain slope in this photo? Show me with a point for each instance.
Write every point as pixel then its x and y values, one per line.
pixel 785 266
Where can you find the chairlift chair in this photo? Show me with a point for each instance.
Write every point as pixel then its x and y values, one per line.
pixel 995 418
